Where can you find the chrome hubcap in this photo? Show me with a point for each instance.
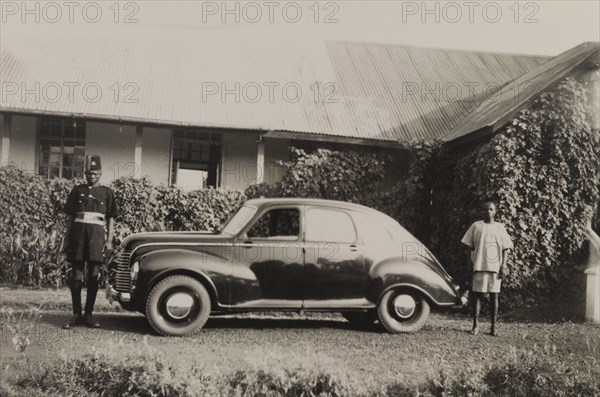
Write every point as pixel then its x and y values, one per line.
pixel 405 305
pixel 179 305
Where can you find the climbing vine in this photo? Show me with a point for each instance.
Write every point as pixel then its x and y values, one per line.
pixel 543 172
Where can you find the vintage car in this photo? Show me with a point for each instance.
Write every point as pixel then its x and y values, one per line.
pixel 284 255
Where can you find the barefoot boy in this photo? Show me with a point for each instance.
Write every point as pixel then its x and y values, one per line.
pixel 489 245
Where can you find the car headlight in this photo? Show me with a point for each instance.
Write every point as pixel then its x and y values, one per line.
pixel 135 269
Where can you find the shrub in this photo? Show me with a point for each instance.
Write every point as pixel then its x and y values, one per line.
pixel 95 375
pixel 207 209
pixel 334 175
pixel 33 258
pixel 138 204
pixel 24 202
pixel 145 207
pixel 541 372
pixel 409 201
pixel 258 190
pixel 138 375
pixel 293 384
pixel 32 225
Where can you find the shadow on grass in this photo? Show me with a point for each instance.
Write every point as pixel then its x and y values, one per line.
pixel 138 324
pixel 540 313
pixel 550 313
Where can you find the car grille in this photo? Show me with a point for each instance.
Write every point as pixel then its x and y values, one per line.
pixel 123 277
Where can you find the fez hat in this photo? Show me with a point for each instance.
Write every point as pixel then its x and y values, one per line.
pixel 93 163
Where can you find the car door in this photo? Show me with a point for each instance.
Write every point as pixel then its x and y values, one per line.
pixel 271 247
pixel 335 272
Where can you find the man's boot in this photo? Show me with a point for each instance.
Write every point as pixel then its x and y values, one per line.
pixel 90 322
pixel 92 291
pixel 77 319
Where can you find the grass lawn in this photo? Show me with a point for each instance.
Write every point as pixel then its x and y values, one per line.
pixel 289 341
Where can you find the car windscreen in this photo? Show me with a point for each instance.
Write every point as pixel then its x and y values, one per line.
pixel 239 220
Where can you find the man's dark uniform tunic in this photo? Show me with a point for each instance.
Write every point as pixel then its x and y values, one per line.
pixel 90 206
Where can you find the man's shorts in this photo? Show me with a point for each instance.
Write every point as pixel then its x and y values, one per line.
pixel 486 282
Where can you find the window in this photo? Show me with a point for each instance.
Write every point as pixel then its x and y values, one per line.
pixel 62 148
pixel 239 220
pixel 196 158
pixel 329 226
pixel 374 231
pixel 282 223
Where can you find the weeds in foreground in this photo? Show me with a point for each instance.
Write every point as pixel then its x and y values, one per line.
pixel 21 327
pixel 105 371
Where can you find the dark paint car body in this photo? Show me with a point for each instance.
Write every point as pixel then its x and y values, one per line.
pixel 242 273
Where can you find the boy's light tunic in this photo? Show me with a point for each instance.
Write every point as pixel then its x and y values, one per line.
pixel 487 241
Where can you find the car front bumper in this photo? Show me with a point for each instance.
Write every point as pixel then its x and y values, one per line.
pixel 462 301
pixel 115 296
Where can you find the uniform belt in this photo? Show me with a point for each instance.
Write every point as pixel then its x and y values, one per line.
pixel 95 218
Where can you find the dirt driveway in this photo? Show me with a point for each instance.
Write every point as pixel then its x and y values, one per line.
pixel 291 341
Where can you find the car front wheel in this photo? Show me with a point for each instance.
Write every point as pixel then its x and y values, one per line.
pixel 178 306
pixel 403 311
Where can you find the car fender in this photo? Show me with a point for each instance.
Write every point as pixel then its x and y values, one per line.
pixel 212 271
pixel 397 272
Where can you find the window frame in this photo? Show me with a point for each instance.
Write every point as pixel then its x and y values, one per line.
pixel 388 226
pixel 240 229
pixel 177 163
pixel 357 239
pixel 244 233
pixel 40 136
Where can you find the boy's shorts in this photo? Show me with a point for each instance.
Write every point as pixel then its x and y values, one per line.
pixel 486 282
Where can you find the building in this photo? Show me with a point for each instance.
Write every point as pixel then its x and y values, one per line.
pixel 204 109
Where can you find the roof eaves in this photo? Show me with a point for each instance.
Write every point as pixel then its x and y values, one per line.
pixel 458 134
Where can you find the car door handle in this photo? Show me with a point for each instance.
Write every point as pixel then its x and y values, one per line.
pixel 247 244
pixel 353 247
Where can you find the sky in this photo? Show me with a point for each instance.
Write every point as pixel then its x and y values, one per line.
pixel 531 27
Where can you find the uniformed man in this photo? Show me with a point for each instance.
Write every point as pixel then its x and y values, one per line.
pixel 90 207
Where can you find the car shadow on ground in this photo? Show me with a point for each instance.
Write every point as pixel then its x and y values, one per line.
pixel 276 323
pixel 138 324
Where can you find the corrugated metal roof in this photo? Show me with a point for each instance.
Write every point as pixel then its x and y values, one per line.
pixel 493 113
pixel 376 91
pixel 402 93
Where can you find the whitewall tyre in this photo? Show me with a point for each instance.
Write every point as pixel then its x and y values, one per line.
pixel 403 311
pixel 178 306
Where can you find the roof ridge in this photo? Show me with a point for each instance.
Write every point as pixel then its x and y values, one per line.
pixel 230 33
pixel 444 49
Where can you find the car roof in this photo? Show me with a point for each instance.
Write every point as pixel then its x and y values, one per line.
pixel 261 202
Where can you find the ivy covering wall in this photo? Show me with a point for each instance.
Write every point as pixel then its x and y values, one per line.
pixel 542 170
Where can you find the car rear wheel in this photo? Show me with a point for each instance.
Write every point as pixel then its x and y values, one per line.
pixel 178 306
pixel 403 311
pixel 361 319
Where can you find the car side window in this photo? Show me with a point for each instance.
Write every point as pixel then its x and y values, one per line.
pixel 329 226
pixel 277 223
pixel 373 231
